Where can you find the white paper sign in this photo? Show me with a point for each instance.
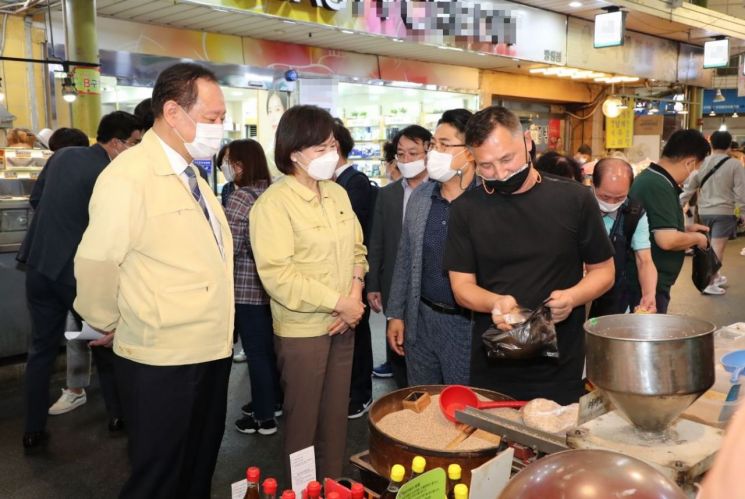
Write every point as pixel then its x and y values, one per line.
pixel 238 489
pixel 302 469
pixel 88 333
pixel 489 479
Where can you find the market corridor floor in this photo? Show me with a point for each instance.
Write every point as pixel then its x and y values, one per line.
pixel 83 461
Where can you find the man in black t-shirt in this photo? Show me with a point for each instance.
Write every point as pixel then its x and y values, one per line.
pixel 521 239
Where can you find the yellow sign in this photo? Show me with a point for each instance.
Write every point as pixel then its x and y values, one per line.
pixel 619 132
pixel 87 80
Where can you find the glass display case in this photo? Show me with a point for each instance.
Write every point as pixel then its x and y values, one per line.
pixel 19 169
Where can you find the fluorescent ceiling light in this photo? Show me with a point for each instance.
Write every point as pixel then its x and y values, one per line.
pixel 347 31
pixel 575 5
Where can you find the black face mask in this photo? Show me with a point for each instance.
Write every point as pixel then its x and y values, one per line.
pixel 510 185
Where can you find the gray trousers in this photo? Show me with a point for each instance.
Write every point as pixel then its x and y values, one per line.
pixel 78 358
pixel 315 376
pixel 441 352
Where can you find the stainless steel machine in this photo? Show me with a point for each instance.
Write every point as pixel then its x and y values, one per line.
pixel 650 368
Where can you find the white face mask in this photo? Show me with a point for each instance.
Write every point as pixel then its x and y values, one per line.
pixel 438 166
pixel 206 141
pixel 227 171
pixel 412 168
pixel 323 167
pixel 607 207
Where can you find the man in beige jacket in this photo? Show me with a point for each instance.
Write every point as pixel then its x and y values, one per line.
pixel 154 271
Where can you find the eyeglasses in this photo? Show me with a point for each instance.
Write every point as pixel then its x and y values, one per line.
pixel 406 156
pixel 130 142
pixel 440 147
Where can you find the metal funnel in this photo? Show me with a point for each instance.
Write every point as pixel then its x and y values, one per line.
pixel 651 366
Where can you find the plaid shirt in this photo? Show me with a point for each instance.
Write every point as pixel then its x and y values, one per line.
pixel 248 288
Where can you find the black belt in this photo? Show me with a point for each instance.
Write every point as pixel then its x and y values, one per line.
pixel 446 309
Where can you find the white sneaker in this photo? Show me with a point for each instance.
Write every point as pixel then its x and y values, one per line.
pixel 67 402
pixel 239 357
pixel 720 281
pixel 713 289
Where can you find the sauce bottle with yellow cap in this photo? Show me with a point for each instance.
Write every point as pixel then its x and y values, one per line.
pixel 454 476
pixel 418 465
pixel 398 473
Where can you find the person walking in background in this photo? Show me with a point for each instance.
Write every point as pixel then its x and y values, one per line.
pixel 246 166
pixel 424 321
pixel 144 111
pixel 155 273
pixel 657 189
pixel 58 225
pixel 78 355
pixel 562 166
pixel 411 146
pixel 307 244
pixel 362 195
pixel 628 228
pixel 720 183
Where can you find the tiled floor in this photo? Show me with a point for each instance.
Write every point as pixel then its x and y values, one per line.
pixel 82 461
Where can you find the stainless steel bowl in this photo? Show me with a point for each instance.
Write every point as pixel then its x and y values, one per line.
pixel 589 474
pixel 651 366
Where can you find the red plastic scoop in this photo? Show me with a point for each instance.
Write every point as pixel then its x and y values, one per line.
pixel 458 397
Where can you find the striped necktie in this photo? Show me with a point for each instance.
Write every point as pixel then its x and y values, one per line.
pixel 194 187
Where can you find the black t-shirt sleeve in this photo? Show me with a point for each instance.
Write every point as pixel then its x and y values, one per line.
pixel 459 253
pixel 594 244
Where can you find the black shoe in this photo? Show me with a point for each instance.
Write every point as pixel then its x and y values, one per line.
pixel 248 410
pixel 357 410
pixel 33 440
pixel 250 426
pixel 116 425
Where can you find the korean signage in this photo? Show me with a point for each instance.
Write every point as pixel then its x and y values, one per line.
pixel 500 28
pixel 619 132
pixel 87 80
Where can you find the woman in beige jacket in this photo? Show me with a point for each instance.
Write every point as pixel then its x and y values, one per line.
pixel 307 244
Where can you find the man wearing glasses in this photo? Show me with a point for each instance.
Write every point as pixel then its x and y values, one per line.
pixel 425 323
pixel 524 239
pixel 411 145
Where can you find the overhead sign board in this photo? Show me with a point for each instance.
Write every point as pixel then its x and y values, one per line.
pixel 609 29
pixel 493 27
pixel 716 54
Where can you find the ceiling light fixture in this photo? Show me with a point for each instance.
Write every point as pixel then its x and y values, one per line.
pixel 735 115
pixel 347 31
pixel 712 113
pixel 612 107
pixel 575 5
pixel 718 96
pixel 398 40
pixel 69 92
pixel 723 126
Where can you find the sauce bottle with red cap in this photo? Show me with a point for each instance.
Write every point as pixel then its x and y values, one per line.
pixel 314 490
pixel 253 474
pixel 358 491
pixel 269 489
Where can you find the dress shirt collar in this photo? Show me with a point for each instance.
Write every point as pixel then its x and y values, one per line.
pixel 342 169
pixel 405 183
pixel 177 162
